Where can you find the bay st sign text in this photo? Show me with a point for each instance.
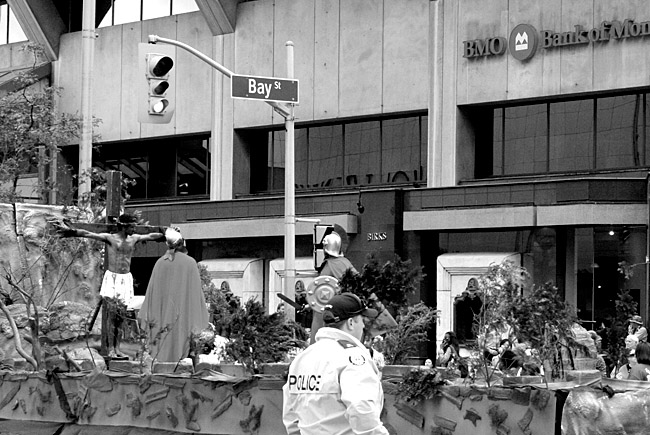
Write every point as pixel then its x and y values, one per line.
pixel 264 88
pixel 524 38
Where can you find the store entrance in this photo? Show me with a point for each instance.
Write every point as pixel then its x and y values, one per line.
pixel 602 254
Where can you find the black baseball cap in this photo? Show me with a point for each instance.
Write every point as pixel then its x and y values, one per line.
pixel 344 306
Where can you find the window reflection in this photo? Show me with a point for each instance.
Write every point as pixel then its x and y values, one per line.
pixel 362 157
pixel 580 135
pixel 385 151
pixel 618 132
pixel 525 140
pixel 155 171
pixel 571 135
pixel 326 155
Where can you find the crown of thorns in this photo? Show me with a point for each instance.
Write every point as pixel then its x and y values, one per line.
pixel 127 219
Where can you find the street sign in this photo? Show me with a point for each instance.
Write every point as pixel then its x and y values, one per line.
pixel 264 88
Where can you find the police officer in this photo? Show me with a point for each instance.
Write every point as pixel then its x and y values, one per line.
pixel 333 386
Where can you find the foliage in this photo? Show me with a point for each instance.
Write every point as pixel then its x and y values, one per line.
pixel 256 337
pixel 202 342
pixel 627 269
pixel 544 321
pixel 413 324
pixel 391 282
pixel 625 308
pixel 31 130
pixel 419 385
pixel 537 316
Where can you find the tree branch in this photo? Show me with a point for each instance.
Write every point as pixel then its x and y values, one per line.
pixel 19 343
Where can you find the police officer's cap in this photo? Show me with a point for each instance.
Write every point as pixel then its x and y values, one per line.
pixel 344 306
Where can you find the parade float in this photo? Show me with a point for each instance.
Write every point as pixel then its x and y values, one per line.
pixel 54 380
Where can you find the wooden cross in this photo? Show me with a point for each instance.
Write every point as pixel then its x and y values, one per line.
pixel 113 207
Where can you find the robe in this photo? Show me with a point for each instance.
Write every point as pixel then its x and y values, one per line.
pixel 174 300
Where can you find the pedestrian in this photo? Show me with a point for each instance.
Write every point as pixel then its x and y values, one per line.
pixel 333 386
pixel 624 365
pixel 636 328
pixel 641 371
pixel 174 305
pixel 449 350
pixel 631 341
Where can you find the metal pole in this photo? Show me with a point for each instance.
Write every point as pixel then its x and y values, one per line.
pixel 643 310
pixel 290 199
pixel 155 38
pixel 86 140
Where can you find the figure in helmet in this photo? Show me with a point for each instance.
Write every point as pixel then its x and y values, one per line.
pixel 335 263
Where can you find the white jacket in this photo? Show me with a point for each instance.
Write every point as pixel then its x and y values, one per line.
pixel 333 388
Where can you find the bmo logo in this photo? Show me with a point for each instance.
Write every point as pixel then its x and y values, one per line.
pixel 523 42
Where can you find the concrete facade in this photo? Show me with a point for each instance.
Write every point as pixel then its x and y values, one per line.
pixel 368 59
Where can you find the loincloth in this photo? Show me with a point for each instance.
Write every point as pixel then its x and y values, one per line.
pixel 118 286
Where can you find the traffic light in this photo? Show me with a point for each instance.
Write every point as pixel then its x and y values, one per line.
pixel 156 83
pixel 320 231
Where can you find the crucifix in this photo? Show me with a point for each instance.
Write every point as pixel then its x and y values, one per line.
pixel 120 234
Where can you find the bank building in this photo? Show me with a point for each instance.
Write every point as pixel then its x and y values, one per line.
pixel 455 134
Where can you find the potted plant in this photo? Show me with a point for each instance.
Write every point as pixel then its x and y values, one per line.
pixel 413 325
pixel 536 316
pixel 387 287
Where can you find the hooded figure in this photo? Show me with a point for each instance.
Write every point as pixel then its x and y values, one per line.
pixel 174 306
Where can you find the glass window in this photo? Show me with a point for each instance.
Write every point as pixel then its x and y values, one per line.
pixel 131 160
pixel 618 139
pixel 497 142
pixel 125 11
pixel 4 23
pixel 525 140
pixel 424 149
pixel 155 9
pixel 16 33
pixel 362 152
pixel 193 167
pixel 600 250
pixel 326 156
pixel 400 150
pixel 157 174
pixel 276 161
pixel 183 6
pixel 352 154
pixel 594 133
pixel 571 135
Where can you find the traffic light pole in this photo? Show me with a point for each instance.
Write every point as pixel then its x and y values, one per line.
pixel 287 112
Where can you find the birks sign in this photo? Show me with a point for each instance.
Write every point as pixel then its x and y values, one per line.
pixel 525 39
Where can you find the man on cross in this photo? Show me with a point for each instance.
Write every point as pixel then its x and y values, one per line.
pixel 117 285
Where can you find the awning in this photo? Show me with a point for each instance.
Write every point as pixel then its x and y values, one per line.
pixel 259 227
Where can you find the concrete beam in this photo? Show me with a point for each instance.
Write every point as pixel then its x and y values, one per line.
pixel 41 23
pixel 259 227
pixel 220 15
